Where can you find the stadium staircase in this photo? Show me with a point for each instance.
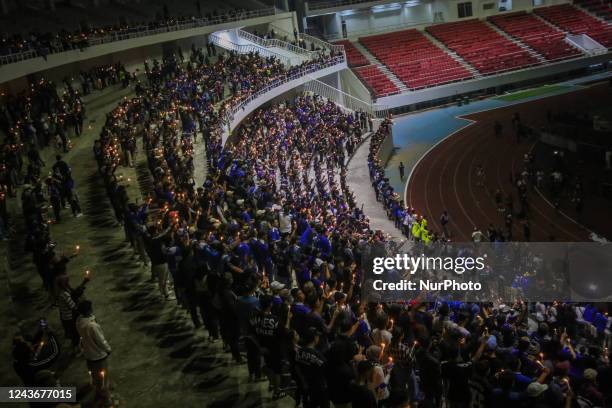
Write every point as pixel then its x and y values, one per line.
pixel 243 42
pixel 453 54
pixel 374 61
pixel 294 53
pixel 521 44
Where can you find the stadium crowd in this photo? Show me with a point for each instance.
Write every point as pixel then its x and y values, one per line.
pixel 43 44
pixel 265 256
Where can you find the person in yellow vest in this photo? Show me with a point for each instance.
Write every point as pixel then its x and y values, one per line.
pixel 416 230
pixel 425 237
pixel 424 233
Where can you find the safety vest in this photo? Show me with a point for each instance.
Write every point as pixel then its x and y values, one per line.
pixel 416 230
pixel 425 236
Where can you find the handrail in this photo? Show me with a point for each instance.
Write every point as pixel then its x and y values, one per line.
pixel 247 48
pixel 344 99
pixel 231 112
pixel 16 57
pixel 144 31
pixel 320 43
pixel 273 42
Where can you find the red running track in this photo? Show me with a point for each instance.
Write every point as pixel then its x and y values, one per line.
pixel 445 179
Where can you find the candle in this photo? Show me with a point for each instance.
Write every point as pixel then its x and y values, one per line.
pixel 90 378
pixel 87 273
pixel 77 248
pixel 541 356
pixel 391 324
pixel 102 376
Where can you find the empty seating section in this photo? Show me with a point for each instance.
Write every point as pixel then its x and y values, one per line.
pixel 481 46
pixel 543 38
pixel 414 59
pixel 602 8
pixel 376 80
pixel 575 21
pixel 354 57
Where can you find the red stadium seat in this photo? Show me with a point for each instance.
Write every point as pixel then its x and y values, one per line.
pixel 541 37
pixel 482 47
pixel 414 59
pixel 575 21
pixel 376 80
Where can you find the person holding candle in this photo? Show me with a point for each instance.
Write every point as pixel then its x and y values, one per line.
pixel 379 382
pixel 67 298
pixel 95 347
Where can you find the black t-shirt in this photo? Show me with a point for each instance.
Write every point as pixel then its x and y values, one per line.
pixel 457 375
pixel 311 365
pixel 339 377
pixel 362 397
pixel 480 392
pixel 342 349
pixel 266 327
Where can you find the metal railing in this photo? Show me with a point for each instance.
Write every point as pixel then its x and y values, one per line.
pixel 16 57
pixel 319 43
pixel 145 31
pixel 273 42
pixel 345 100
pixel 319 5
pixel 228 44
pixel 232 111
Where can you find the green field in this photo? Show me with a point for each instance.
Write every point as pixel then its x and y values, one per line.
pixel 530 93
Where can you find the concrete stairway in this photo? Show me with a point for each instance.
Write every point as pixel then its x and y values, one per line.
pixel 548 23
pixel 453 54
pixel 539 57
pixel 374 61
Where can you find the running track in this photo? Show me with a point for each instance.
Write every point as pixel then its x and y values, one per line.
pixel 445 178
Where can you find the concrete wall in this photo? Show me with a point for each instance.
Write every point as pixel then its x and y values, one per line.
pixel 353 86
pixel 450 11
pixel 363 21
pixel 386 148
pixel 285 26
pixel 396 16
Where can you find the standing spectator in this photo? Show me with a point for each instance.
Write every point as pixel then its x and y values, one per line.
pixel 95 348
pixel 67 299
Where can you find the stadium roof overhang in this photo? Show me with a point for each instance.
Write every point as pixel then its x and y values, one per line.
pixel 354 6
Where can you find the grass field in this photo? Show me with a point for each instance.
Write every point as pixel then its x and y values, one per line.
pixel 529 93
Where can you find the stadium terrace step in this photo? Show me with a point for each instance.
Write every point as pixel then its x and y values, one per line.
pixel 453 54
pixel 521 44
pixel 374 61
